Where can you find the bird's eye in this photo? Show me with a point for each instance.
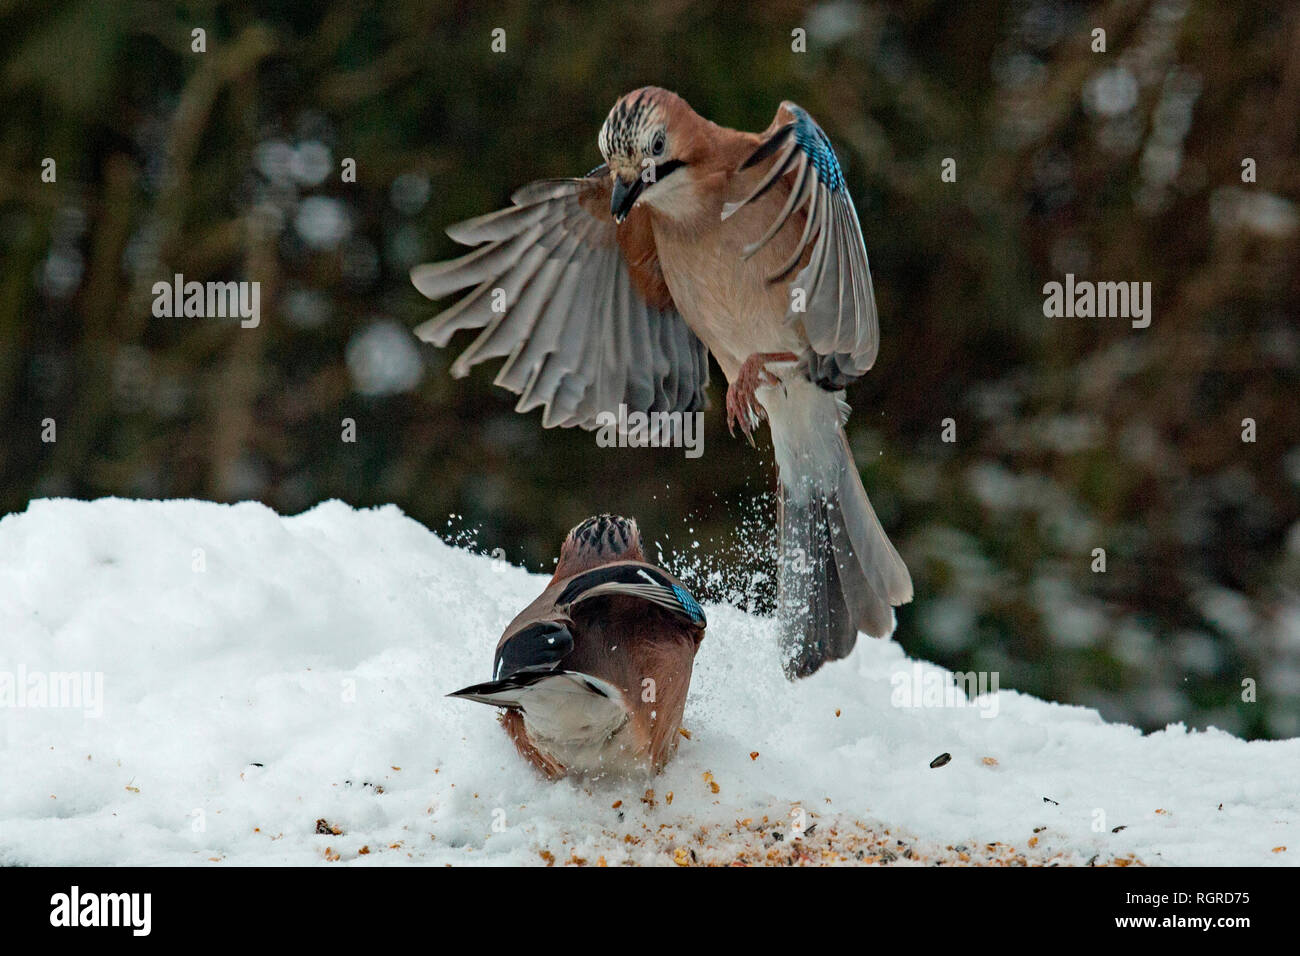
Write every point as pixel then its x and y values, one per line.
pixel 658 144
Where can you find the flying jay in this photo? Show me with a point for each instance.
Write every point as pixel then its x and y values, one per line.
pixel 695 239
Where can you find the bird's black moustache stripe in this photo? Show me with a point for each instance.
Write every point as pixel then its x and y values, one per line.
pixel 625 194
pixel 662 170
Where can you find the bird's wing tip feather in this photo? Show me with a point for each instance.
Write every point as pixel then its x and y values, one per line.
pixel 426 332
pixel 457 231
pixel 420 276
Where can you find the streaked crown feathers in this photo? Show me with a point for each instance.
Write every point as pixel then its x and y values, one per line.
pixel 606 536
pixel 630 129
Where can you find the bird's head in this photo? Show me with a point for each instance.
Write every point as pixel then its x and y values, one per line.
pixel 599 540
pixel 644 142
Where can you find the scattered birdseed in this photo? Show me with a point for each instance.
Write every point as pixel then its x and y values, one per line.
pixel 830 841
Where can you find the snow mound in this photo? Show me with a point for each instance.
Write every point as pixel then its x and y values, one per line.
pixel 248 680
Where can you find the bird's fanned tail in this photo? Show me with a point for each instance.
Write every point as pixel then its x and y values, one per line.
pixel 839 572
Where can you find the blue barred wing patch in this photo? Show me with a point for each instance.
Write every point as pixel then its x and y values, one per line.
pixel 689 604
pixel 810 138
pixel 632 579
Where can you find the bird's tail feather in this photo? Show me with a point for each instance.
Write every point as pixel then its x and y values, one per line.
pixel 839 572
pixel 517 689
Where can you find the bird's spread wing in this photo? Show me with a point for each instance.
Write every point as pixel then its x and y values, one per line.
pixel 838 314
pixel 633 579
pixel 575 304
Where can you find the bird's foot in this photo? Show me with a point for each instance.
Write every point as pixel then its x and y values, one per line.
pixel 742 409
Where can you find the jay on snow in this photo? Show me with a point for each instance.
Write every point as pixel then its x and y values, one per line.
pixel 593 674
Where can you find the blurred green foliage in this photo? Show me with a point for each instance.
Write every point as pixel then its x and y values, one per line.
pixel 1072 434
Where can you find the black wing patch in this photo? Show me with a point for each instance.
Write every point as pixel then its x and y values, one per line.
pixel 633 580
pixel 538 648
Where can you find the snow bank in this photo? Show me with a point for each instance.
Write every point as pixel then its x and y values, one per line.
pixel 320 647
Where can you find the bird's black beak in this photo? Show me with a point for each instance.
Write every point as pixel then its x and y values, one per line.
pixel 623 196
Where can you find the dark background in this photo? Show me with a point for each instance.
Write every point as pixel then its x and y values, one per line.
pixel 1072 434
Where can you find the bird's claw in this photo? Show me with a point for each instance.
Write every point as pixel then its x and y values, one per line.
pixel 742 409
pixel 748 419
